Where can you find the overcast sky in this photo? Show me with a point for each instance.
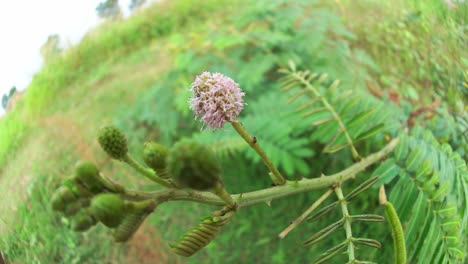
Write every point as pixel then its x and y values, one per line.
pixel 25 26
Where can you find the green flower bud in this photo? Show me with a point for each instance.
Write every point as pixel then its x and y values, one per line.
pixel 137 214
pixel 113 141
pixel 82 221
pixel 108 208
pixel 66 194
pixel 155 156
pixel 87 174
pixel 57 202
pixel 193 165
pixel 76 188
pixel 72 208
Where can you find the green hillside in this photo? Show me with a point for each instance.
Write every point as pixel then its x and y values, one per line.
pixel 401 65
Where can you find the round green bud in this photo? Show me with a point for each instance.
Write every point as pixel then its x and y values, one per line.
pixel 113 141
pixel 72 208
pixel 78 189
pixel 57 202
pixel 87 174
pixel 66 194
pixel 108 208
pixel 82 221
pixel 193 165
pixel 155 156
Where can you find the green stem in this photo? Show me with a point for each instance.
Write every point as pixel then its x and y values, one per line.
pixel 269 194
pixel 110 184
pixel 276 176
pixel 221 192
pixel 332 111
pixel 151 175
pixel 347 223
pixel 303 216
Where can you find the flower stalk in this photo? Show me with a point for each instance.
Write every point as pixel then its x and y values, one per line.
pixel 304 215
pixel 151 175
pixel 275 175
pixel 221 192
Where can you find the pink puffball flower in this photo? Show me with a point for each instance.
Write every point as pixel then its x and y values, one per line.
pixel 217 99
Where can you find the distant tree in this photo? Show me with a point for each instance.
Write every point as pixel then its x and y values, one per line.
pixel 12 91
pixel 135 4
pixel 7 97
pixel 51 48
pixel 4 101
pixel 109 9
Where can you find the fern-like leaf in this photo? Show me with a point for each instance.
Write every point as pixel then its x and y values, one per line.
pixel 430 196
pixel 346 224
pixel 341 118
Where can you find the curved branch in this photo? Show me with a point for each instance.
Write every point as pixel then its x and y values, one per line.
pixel 269 194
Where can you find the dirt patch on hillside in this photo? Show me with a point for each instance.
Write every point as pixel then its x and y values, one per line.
pixel 54 137
pixel 146 248
pixel 63 129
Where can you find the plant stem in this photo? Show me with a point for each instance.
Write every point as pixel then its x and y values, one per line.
pixel 110 184
pixel 301 218
pixel 221 192
pixel 330 108
pixel 151 175
pixel 269 194
pixel 347 223
pixel 276 176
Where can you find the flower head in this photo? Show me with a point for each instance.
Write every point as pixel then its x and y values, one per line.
pixel 193 165
pixel 217 99
pixel 113 141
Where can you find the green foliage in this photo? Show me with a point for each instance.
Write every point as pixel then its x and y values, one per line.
pixel 352 120
pixel 431 197
pixel 41 236
pixel 404 48
pixel 108 42
pixel 344 223
pixel 451 128
pixel 249 48
pixel 420 48
pixel 12 131
pixel 259 40
pixel 282 139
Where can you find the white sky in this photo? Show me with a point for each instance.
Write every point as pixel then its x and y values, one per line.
pixel 25 26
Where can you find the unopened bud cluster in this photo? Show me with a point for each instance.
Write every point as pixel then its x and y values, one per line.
pixel 87 199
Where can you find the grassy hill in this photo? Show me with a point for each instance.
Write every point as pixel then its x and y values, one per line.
pixel 135 74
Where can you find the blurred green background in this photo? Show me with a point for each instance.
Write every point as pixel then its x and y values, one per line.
pixel 135 73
